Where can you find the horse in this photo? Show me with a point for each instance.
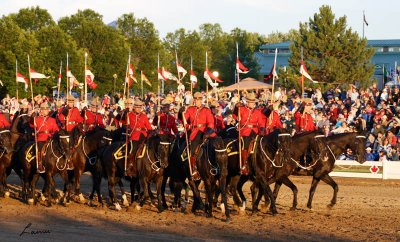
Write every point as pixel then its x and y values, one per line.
pixel 177 172
pixel 84 159
pixel 212 162
pixel 6 152
pixel 55 158
pixel 151 166
pixel 322 150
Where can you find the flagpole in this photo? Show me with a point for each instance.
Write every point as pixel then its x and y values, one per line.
pixel 302 76
pixel 126 84
pixel 141 82
pixel 363 22
pixel 273 77
pixel 16 78
pixel 206 80
pixel 158 90
pixel 34 119
pixel 67 78
pixel 238 126
pixel 59 83
pixel 179 78
pixel 86 54
pixel 191 83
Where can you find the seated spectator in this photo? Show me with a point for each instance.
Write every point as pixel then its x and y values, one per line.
pixel 393 155
pixel 392 139
pixel 341 129
pixel 382 156
pixel 370 140
pixel 368 155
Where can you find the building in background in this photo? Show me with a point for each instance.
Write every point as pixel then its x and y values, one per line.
pixel 385 59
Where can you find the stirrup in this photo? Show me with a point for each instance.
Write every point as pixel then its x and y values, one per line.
pixel 244 170
pixel 41 171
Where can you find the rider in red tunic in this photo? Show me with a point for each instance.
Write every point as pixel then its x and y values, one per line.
pixel 70 115
pixel 201 122
pixel 219 121
pixel 306 121
pixel 167 121
pixel 251 122
pixel 4 124
pixel 273 121
pixel 92 117
pixel 45 128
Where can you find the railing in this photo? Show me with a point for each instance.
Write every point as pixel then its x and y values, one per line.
pixel 377 169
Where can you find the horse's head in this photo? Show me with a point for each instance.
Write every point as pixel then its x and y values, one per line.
pixel 162 148
pixel 5 140
pixel 64 143
pixel 360 140
pixel 106 137
pixel 221 156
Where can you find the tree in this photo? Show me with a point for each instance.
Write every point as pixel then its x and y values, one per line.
pixel 107 48
pixel 33 19
pixel 145 44
pixel 333 53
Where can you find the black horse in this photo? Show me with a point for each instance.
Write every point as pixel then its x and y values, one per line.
pixel 6 152
pixel 54 159
pixel 84 158
pixel 151 165
pixel 212 164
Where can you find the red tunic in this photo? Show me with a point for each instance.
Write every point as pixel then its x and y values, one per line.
pixel 199 119
pixel 307 123
pixel 250 120
pixel 167 124
pixel 4 122
pixel 273 121
pixel 139 124
pixel 219 123
pixel 297 118
pixel 74 118
pixel 93 120
pixel 45 127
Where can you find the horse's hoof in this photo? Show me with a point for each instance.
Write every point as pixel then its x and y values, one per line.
pixel 293 208
pixel 7 194
pixel 91 203
pixel 138 207
pixel 274 212
pixel 243 207
pixel 209 215
pixel 117 206
pixel 160 209
pixel 222 208
pixel 42 197
pixel 82 199
pixel 227 220
pixel 330 206
pixel 309 206
pixel 31 201
pixel 125 202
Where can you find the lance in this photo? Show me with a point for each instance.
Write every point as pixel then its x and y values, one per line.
pixel 238 81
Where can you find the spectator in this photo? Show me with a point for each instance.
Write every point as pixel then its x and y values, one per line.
pixel 382 156
pixel 369 156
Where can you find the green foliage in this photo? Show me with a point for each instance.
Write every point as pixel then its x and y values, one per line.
pixel 333 53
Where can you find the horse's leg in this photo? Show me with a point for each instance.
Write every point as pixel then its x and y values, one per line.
pixel 159 183
pixel 242 181
pixel 233 189
pixel 33 182
pixel 133 183
pixel 144 184
pixel 314 185
pixel 111 191
pixel 50 186
pixel 223 188
pixel 77 184
pixel 209 198
pixel 256 195
pixel 328 180
pixel 293 187
pixel 265 188
pixel 123 195
pixel 197 202
pixel 163 184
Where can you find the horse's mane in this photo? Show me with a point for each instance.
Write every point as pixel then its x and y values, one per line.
pixel 299 135
pixel 341 135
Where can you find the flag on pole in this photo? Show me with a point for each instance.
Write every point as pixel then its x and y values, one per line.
pixel 365 20
pixel 181 70
pixel 59 78
pixel 89 77
pixel 145 79
pixel 271 74
pixel 160 75
pixel 73 82
pixel 304 72
pixel 240 68
pixel 208 75
pixel 36 75
pixel 21 78
pixel 132 74
pixel 168 75
pixel 193 78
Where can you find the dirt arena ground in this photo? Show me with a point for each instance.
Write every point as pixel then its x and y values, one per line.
pixel 367 209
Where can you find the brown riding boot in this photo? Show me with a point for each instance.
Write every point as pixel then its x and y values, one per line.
pixel 245 168
pixel 195 173
pixel 40 167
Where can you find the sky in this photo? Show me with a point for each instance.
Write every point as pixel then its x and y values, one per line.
pixel 261 16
